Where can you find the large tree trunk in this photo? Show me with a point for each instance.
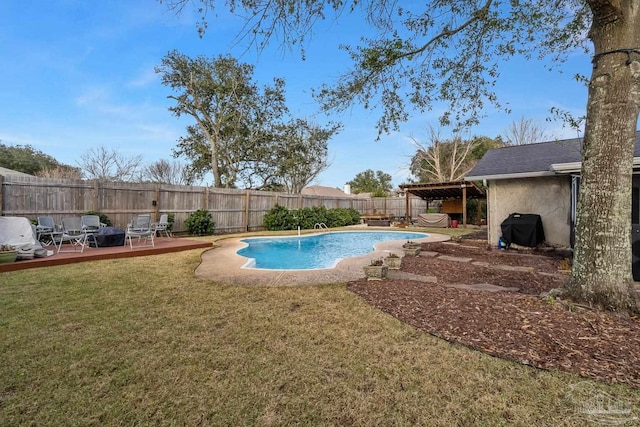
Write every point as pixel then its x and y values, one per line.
pixel 602 260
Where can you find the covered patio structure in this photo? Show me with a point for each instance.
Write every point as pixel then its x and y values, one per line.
pixel 456 190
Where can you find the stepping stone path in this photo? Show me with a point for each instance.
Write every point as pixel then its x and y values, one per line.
pixel 455 258
pixel 395 274
pixel 401 275
pixel 485 287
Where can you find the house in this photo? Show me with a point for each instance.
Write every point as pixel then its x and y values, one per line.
pixel 5 171
pixel 322 191
pixel 543 179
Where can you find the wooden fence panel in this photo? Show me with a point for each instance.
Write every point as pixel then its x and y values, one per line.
pixel 120 201
pixel 232 210
pixel 260 203
pixel 227 208
pixel 181 201
pixel 290 201
pixel 31 197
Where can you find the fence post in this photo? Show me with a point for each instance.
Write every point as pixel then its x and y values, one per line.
pixel 246 210
pixel 96 197
pixel 157 204
pixel 464 205
pixel 1 194
pixel 407 208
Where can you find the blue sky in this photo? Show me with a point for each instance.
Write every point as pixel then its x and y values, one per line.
pixel 77 75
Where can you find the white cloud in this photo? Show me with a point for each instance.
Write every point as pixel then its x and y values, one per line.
pixel 92 96
pixel 145 78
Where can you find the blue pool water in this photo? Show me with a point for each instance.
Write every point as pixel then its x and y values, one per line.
pixel 317 250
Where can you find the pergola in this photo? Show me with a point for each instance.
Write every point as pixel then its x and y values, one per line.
pixel 444 191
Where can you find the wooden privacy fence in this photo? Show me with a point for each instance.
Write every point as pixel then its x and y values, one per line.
pixel 232 210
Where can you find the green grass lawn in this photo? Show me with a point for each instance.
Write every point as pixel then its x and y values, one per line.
pixel 142 341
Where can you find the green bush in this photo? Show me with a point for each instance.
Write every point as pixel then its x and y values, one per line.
pixel 200 223
pixel 340 217
pixel 281 218
pixel 171 219
pixel 103 218
pixel 309 217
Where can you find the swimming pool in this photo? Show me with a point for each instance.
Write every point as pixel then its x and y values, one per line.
pixel 315 251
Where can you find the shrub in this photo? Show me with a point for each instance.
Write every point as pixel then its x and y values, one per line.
pixel 340 217
pixel 279 218
pixel 103 218
pixel 309 217
pixel 200 223
pixel 171 219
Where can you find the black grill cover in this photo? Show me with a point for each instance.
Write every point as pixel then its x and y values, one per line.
pixel 523 230
pixel 110 236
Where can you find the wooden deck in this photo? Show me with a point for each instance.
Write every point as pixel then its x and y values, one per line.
pixel 163 245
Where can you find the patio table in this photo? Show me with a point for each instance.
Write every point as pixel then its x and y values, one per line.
pixel 109 236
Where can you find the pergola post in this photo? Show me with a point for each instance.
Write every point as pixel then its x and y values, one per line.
pixel 464 206
pixel 444 191
pixel 407 208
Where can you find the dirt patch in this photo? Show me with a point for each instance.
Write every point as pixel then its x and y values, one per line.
pixel 516 324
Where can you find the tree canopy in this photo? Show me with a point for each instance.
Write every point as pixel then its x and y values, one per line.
pixel 242 132
pixel 524 131
pixel 445 51
pixel 107 164
pixel 378 183
pixel 168 172
pixel 27 159
pixel 448 160
pixel 300 153
pixel 449 52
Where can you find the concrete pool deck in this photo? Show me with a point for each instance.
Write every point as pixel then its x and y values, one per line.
pixel 222 264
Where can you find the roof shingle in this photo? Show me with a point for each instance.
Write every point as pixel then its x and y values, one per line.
pixel 531 158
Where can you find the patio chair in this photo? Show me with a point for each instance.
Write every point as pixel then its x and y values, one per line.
pixel 140 227
pixel 163 226
pixel 91 225
pixel 73 233
pixel 47 232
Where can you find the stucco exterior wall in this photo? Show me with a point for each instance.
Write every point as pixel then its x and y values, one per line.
pixel 548 197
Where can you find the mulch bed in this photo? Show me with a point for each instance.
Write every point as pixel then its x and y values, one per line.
pixel 520 326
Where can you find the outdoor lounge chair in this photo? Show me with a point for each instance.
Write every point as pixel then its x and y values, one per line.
pixel 162 226
pixel 91 225
pixel 47 232
pixel 73 233
pixel 140 228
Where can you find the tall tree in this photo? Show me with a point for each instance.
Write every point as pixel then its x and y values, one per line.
pixel 232 114
pixel 442 160
pixel 446 160
pixel 26 159
pixel 378 183
pixel 60 172
pixel 301 152
pixel 450 51
pixel 107 164
pixel 168 172
pixel 482 144
pixel 524 131
pixel 602 260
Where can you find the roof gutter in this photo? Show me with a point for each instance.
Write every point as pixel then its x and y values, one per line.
pixel 573 167
pixel 562 168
